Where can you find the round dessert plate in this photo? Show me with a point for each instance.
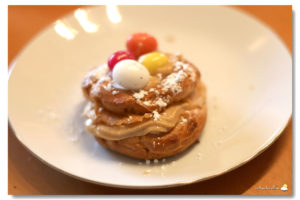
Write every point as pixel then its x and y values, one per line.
pixel 245 66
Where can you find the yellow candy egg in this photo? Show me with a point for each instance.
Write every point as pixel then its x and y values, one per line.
pixel 153 61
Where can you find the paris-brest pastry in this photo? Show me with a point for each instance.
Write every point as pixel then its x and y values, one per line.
pixel 145 103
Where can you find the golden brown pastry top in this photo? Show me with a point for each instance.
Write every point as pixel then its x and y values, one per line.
pixel 172 83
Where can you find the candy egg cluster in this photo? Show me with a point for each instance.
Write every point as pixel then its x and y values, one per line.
pixel 131 69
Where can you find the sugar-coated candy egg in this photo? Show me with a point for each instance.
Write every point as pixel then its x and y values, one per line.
pixel 117 57
pixel 130 74
pixel 141 43
pixel 153 60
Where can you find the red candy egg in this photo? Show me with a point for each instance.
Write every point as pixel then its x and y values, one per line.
pixel 141 43
pixel 117 57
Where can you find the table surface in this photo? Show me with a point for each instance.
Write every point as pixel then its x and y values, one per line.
pixel 29 176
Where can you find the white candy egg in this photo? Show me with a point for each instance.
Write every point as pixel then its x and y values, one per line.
pixel 130 74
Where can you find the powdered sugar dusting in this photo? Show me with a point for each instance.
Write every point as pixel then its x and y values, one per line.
pixel 186 67
pixel 139 95
pixel 180 65
pixel 161 103
pixel 95 89
pixel 104 78
pixel 156 115
pixel 183 120
pixel 115 92
pixel 180 76
pixel 152 90
pixel 171 83
pixel 147 103
pixel 108 87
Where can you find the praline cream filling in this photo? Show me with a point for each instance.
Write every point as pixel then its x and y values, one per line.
pixel 167 120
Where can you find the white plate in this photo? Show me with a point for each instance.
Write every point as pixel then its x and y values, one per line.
pixel 247 70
